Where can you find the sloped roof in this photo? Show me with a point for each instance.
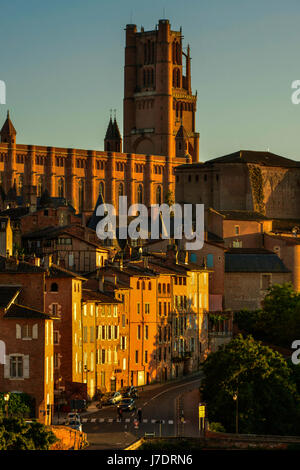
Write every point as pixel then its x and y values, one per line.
pixel 244 157
pixel 103 297
pixel 8 127
pixel 242 215
pixel 253 261
pixel 8 294
pixel 21 311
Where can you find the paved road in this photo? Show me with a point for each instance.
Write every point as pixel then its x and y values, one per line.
pixel 167 403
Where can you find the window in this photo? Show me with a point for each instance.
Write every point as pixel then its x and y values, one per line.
pixel 236 229
pixel 139 332
pixel 85 334
pixel 140 194
pixel 138 305
pixel 210 261
pixel 54 287
pixel 60 187
pixel 56 337
pixel 92 334
pixel 123 342
pixel 54 308
pixel 17 367
pixel 146 332
pixel 147 308
pixel 158 195
pixel 136 357
pixel 237 244
pixel 146 357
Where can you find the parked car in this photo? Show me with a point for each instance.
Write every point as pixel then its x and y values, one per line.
pixel 117 396
pixel 130 392
pixel 74 424
pixel 127 404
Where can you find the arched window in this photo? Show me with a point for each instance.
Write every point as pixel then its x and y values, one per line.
pixel 39 186
pixel 174 52
pixel 101 188
pixel 158 195
pixel 20 185
pixel 61 187
pixel 80 194
pixel 178 79
pixel 54 287
pixel 140 194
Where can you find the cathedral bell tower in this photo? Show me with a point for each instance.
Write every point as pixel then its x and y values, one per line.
pixel 157 92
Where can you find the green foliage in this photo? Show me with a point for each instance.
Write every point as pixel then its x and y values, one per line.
pixel 16 434
pixel 279 320
pixel 268 400
pixel 216 427
pixel 169 198
pixel 19 405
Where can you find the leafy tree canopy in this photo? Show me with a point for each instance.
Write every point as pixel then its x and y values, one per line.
pixel 268 400
pixel 279 319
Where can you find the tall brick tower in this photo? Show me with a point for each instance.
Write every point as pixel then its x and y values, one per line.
pixel 157 93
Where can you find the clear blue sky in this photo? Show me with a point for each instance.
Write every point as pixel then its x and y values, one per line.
pixel 62 61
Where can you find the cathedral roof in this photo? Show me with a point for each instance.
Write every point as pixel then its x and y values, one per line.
pixel 246 156
pixel 252 156
pixel 8 127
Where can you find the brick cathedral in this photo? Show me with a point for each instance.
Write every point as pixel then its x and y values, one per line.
pixel 159 134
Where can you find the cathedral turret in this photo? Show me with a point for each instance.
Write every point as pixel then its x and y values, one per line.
pixel 182 142
pixel 8 132
pixel 113 139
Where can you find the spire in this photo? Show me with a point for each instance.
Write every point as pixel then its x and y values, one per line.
pixel 113 139
pixel 8 132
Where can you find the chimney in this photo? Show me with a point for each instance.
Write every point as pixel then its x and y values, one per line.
pixel 48 261
pixel 11 263
pixel 172 254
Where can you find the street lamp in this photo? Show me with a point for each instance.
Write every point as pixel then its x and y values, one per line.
pixel 236 399
pixel 6 399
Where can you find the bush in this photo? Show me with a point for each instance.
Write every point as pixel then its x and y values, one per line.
pixel 16 434
pixel 216 427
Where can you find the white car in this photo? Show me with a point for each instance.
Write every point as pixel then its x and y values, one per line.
pixel 73 415
pixel 74 424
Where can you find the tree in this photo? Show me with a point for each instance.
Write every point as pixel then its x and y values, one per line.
pixel 279 319
pixel 268 400
pixel 169 198
pixel 17 434
pixel 19 405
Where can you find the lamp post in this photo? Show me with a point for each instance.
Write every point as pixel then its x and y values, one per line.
pixel 6 399
pixel 236 399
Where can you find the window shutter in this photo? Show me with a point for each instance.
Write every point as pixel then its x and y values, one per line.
pixel 35 331
pixel 7 367
pixel 18 331
pixel 26 367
